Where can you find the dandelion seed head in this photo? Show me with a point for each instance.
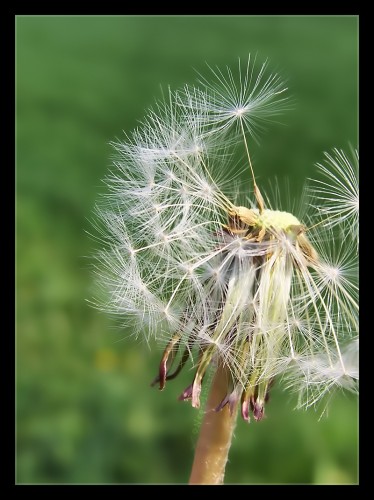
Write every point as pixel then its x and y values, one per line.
pixel 225 280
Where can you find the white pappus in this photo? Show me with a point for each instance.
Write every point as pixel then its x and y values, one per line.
pixel 222 279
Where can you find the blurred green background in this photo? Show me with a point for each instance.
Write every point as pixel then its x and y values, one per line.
pixel 85 410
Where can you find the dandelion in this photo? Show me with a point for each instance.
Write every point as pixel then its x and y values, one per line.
pixel 225 281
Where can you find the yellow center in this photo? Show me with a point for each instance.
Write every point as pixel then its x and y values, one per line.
pixel 267 219
pixel 275 219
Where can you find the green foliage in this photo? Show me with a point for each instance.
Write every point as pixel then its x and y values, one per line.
pixel 85 411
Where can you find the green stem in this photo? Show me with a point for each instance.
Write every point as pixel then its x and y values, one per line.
pixel 215 436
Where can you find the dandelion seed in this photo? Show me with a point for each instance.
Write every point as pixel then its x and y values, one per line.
pixel 236 283
pixel 338 195
pixel 251 95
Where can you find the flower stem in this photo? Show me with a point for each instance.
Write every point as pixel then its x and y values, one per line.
pixel 215 436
